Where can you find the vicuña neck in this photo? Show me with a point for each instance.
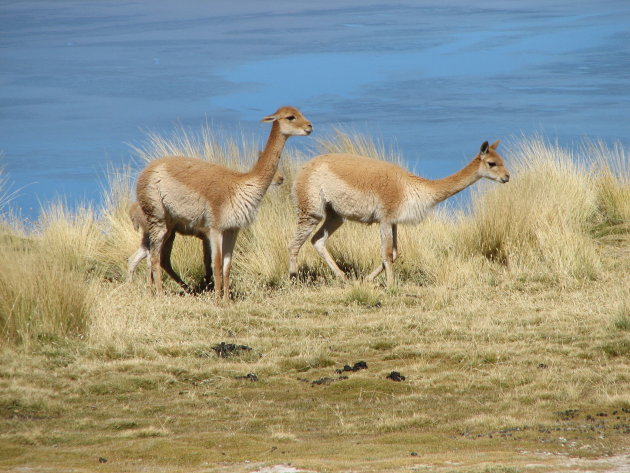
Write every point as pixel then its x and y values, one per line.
pixel 267 163
pixel 451 185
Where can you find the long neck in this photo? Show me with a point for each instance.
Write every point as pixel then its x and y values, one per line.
pixel 448 186
pixel 267 163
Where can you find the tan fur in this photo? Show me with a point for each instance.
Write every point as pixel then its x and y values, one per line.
pixel 334 187
pixel 343 180
pixel 137 217
pixel 139 222
pixel 194 197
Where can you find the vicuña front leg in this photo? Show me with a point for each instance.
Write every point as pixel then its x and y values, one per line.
pixel 332 222
pixel 216 238
pixel 306 225
pixel 208 282
pixel 229 240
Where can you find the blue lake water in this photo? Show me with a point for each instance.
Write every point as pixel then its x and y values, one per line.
pixel 82 81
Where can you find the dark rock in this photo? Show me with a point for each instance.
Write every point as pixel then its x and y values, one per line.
pixel 395 376
pixel 359 365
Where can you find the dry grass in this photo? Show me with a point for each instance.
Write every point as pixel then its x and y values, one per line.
pixel 509 321
pixel 45 290
pixel 541 224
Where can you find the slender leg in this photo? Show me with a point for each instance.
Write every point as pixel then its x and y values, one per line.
pixel 332 222
pixel 157 235
pixel 149 273
pixel 306 225
pixel 378 270
pixel 146 243
pixel 389 236
pixel 394 242
pixel 389 252
pixel 229 240
pixel 216 238
pixel 141 253
pixel 208 282
pixel 165 261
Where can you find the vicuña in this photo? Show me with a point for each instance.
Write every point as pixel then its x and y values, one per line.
pixel 193 196
pixel 337 187
pixel 139 221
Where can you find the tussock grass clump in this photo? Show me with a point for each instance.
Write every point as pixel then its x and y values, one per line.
pixel 43 296
pixel 352 142
pixel 72 238
pixel 46 276
pixel 612 186
pixel 364 296
pixel 541 222
pixel 210 144
pixel 622 317
pixel 120 239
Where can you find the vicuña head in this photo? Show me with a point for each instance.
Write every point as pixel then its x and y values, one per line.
pixel 290 121
pixel 337 187
pixel 195 197
pixel 491 164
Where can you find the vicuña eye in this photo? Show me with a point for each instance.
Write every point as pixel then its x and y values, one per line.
pixel 291 118
pixel 491 164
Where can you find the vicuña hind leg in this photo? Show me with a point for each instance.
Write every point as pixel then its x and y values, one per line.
pixel 165 261
pixel 306 225
pixel 332 222
pixel 208 282
pixel 389 252
pixel 157 235
pixel 141 253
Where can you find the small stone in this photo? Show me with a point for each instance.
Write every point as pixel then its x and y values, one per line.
pixel 395 376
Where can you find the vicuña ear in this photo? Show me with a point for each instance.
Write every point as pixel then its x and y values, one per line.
pixel 495 145
pixel 484 148
pixel 269 118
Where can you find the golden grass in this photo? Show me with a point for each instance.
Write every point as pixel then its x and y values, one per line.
pixel 510 322
pixel 541 223
pixel 211 144
pixel 43 296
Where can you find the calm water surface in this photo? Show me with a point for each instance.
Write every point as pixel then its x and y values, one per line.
pixel 81 81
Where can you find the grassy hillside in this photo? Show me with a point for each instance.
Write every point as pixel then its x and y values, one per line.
pixel 510 323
